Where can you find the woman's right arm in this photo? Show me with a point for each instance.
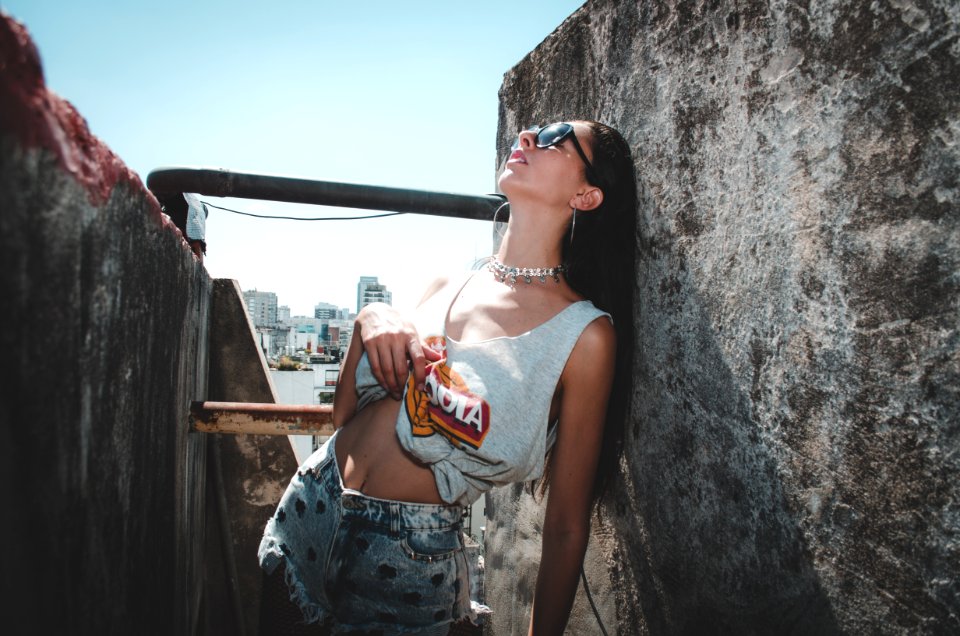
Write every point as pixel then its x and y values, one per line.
pixel 393 350
pixel 393 344
pixel 384 335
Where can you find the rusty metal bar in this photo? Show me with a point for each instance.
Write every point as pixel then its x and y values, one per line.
pixel 168 182
pixel 248 418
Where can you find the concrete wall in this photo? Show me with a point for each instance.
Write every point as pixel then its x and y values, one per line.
pixel 103 331
pixel 792 458
pixel 249 472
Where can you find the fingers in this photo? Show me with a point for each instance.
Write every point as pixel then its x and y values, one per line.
pixel 392 346
pixel 431 354
pixel 373 357
pixel 390 371
pixel 418 361
pixel 399 371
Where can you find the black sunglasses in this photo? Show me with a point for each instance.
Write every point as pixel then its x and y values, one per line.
pixel 555 134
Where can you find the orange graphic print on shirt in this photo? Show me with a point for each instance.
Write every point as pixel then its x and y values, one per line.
pixel 446 405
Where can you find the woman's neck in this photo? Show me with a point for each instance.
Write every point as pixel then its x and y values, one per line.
pixel 533 238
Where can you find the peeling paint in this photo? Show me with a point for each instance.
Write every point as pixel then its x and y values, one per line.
pixel 38 118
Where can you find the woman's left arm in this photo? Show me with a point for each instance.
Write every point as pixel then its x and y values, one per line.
pixel 586 381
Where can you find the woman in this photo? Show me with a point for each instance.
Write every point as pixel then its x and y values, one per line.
pixel 511 373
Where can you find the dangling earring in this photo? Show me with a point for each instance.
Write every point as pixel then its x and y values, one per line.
pixel 505 204
pixel 573 225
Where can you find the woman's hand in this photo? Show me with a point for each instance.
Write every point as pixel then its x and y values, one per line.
pixel 392 346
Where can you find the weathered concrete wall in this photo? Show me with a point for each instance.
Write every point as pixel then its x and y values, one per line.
pixel 254 469
pixel 103 332
pixel 792 459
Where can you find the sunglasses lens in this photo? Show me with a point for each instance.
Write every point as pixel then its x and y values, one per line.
pixel 553 134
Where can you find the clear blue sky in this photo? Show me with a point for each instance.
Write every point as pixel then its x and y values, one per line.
pixel 386 93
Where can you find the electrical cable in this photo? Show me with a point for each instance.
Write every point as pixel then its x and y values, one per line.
pixel 596 612
pixel 304 218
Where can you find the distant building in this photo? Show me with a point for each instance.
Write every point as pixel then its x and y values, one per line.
pixel 261 307
pixel 369 290
pixel 362 288
pixel 326 311
pixel 283 313
pixel 299 321
pixel 340 332
pixel 307 324
pixel 274 341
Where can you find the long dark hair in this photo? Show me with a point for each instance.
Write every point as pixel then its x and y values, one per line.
pixel 600 262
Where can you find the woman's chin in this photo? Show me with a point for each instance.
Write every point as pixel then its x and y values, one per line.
pixel 510 183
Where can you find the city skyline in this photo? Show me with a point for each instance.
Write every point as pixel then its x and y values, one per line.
pixel 323 301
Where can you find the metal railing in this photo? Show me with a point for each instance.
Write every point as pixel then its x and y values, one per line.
pixel 254 418
pixel 168 185
pixel 171 182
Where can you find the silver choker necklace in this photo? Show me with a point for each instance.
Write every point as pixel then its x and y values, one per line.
pixel 509 275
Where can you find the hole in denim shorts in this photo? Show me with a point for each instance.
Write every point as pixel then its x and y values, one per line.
pixel 387 571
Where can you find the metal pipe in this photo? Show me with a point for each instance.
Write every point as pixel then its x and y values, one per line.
pixel 165 182
pixel 248 418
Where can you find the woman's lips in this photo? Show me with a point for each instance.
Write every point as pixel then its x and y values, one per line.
pixel 517 156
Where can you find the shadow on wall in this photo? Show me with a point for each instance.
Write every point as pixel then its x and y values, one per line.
pixel 791 465
pixel 715 546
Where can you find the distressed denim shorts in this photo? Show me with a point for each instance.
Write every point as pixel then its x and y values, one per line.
pixel 365 565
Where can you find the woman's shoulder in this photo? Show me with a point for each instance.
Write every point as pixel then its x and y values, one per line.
pixel 442 282
pixel 578 324
pixel 435 285
pixel 596 344
pixel 586 311
pixel 590 329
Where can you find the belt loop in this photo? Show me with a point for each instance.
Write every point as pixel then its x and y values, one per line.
pixel 394 517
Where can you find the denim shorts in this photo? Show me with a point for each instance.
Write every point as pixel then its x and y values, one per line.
pixel 365 565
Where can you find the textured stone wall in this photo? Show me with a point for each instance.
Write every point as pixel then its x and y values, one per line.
pixel 103 331
pixel 792 458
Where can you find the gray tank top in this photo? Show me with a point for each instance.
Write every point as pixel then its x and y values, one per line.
pixel 482 419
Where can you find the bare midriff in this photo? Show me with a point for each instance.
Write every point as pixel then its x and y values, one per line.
pixel 373 462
